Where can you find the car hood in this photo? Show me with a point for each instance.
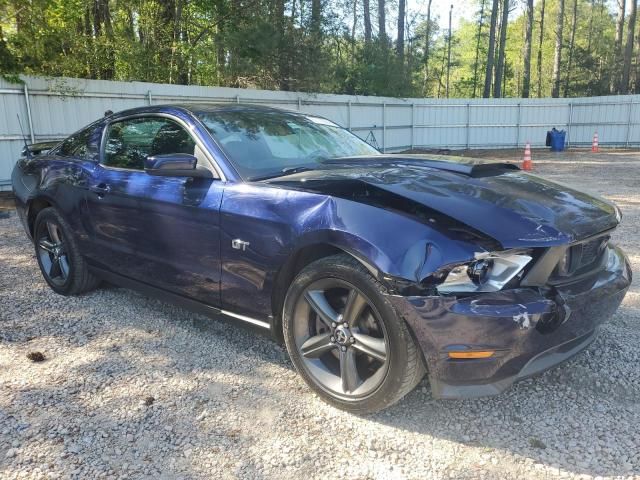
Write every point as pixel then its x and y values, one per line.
pixel 512 207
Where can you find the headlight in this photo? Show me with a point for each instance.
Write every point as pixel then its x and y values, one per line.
pixel 618 213
pixel 487 274
pixel 563 268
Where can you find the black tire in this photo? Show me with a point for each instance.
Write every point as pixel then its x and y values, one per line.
pixel 403 362
pixel 51 248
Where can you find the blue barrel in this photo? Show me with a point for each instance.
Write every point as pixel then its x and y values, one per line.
pixel 557 140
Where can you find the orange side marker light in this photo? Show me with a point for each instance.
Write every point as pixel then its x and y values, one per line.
pixel 472 354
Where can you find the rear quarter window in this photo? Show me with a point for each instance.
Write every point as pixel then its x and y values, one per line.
pixel 82 145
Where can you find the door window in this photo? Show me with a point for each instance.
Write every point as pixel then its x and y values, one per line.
pixel 130 142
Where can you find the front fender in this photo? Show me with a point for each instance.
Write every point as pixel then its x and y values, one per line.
pixel 278 223
pixel 395 245
pixel 388 243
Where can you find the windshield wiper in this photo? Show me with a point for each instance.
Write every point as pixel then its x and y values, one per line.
pixel 290 170
pixel 282 173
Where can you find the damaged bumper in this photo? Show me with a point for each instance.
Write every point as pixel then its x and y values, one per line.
pixel 529 329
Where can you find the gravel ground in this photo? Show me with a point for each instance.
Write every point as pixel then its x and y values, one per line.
pixel 135 388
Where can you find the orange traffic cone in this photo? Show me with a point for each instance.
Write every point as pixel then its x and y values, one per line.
pixel 526 162
pixel 594 145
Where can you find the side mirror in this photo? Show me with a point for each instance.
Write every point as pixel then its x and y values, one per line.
pixel 175 165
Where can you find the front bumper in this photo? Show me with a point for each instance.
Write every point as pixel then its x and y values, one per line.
pixel 530 329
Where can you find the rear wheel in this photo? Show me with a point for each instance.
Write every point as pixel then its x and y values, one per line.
pixel 61 264
pixel 346 339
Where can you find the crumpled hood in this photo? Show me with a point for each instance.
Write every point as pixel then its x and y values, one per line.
pixel 515 208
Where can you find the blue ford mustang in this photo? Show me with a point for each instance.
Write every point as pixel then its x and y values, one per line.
pixel 372 268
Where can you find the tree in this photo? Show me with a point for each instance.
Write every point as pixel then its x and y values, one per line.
pixel 574 23
pixel 555 79
pixel 283 63
pixel 490 52
pixel 526 76
pixel 628 51
pixel 591 16
pixel 449 51
pixel 320 46
pixel 637 89
pixel 504 24
pixel 400 39
pixel 427 44
pixel 540 40
pixel 316 12
pixel 382 21
pixel 478 38
pixel 103 31
pixel 8 63
pixel 615 78
pixel 367 20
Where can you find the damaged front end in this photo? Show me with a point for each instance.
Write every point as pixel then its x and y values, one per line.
pixel 499 276
pixel 500 317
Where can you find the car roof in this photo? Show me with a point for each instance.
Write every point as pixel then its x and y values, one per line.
pixel 203 108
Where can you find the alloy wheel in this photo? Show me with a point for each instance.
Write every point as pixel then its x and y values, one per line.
pixel 341 338
pixel 52 253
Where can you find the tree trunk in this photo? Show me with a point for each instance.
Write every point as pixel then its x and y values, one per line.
pixel 316 11
pixel 571 45
pixel 313 73
pixel 367 20
pixel 221 61
pixel 557 58
pixel 176 55
pixel 539 63
pixel 637 89
pixel 504 24
pixel 526 76
pixel 382 21
pixel 354 25
pixel 628 51
pixel 615 78
pixel 103 28
pixel 475 63
pixel 491 52
pixel 283 58
pixel 449 51
pixel 590 34
pixel 88 35
pixel 20 15
pixel 427 45
pixel 130 30
pixel 442 71
pixel 400 40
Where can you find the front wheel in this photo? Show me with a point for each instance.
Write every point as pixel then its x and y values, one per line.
pixel 345 338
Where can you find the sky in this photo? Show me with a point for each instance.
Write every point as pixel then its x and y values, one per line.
pixel 440 8
pixel 467 9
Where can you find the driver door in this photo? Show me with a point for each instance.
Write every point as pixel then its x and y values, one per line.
pixel 163 231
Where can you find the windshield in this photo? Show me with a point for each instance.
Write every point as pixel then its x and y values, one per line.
pixel 269 143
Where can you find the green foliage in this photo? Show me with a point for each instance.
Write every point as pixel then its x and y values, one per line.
pixel 279 44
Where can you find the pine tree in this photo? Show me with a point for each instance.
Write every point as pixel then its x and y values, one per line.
pixel 555 79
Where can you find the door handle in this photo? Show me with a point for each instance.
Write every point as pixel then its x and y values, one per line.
pixel 101 189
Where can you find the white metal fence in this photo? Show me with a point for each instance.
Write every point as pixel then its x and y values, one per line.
pixel 52 108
